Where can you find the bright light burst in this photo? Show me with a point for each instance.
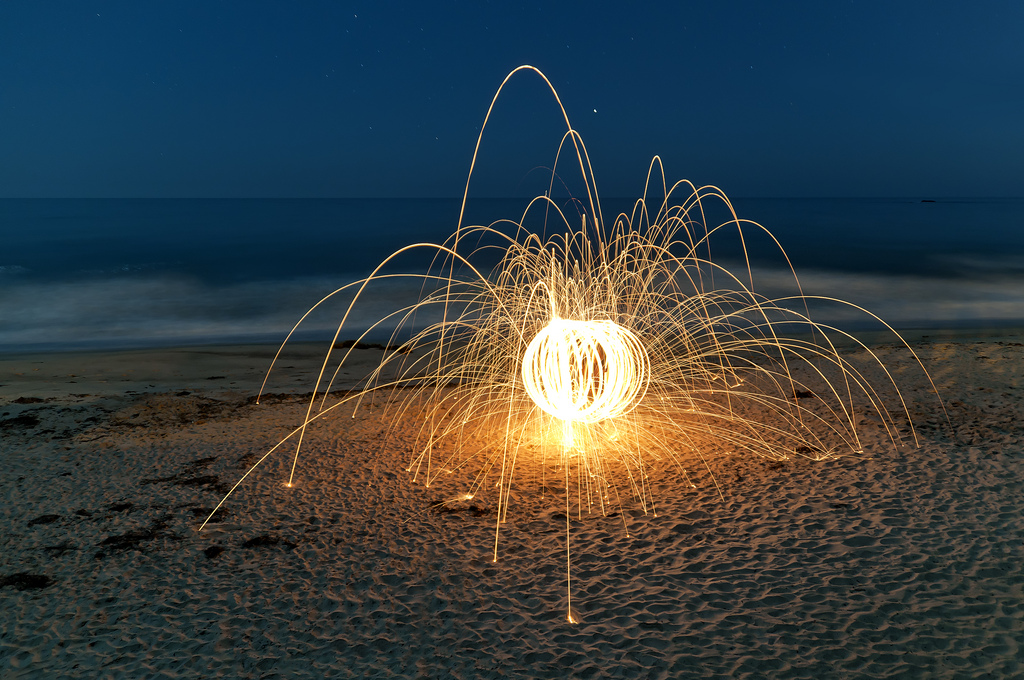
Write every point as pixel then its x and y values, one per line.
pixel 585 371
pixel 603 353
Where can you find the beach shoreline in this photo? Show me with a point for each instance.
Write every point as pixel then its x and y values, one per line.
pixel 219 367
pixel 904 561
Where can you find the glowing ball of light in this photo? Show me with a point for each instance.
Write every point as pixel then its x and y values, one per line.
pixel 585 371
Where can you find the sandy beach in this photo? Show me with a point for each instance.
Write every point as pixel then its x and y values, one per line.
pixel 905 562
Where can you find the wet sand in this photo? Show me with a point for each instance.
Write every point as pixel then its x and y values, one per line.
pixel 903 563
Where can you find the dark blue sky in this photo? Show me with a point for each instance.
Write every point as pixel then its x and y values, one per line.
pixel 342 99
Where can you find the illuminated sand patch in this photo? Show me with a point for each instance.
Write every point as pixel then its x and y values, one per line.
pixel 607 358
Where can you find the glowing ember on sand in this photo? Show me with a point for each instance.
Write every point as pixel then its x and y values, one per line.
pixel 603 354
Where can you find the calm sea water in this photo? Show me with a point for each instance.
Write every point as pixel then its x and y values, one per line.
pixel 83 273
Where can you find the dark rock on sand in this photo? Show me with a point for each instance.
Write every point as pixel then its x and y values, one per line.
pixel 267 540
pixel 24 581
pixel 25 421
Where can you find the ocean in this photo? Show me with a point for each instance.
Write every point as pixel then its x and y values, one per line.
pixel 133 273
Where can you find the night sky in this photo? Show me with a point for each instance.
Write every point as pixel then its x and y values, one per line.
pixel 339 99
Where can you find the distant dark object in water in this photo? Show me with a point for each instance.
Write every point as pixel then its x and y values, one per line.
pixel 354 344
pixel 927 200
